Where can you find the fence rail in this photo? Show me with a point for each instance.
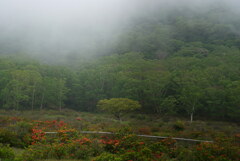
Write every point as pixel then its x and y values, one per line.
pixel 146 136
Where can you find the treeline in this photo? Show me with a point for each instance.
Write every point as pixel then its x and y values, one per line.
pixel 182 65
pixel 206 87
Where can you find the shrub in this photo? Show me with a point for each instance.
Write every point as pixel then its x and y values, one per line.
pixel 141 155
pixel 179 126
pixel 165 147
pixel 6 153
pixel 155 129
pixel 131 142
pixel 23 130
pixel 160 124
pixel 139 117
pixel 108 157
pixel 133 155
pixel 145 131
pixel 196 134
pixel 223 149
pixel 184 154
pixel 9 137
pixel 72 149
pixel 15 132
pixel 237 138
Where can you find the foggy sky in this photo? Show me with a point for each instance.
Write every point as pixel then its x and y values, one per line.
pixel 75 26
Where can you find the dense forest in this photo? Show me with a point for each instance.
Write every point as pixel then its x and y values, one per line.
pixel 174 62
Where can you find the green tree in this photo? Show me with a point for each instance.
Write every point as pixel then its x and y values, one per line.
pixel 52 93
pixel 21 89
pixel 118 106
pixel 192 85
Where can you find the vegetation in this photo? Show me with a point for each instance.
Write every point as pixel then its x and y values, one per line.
pixel 118 106
pixel 6 153
pixel 178 65
pixel 177 73
pixel 69 144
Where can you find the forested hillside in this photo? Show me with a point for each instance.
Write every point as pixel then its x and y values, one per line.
pixel 175 62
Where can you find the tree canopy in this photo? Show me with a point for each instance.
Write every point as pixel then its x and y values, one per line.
pixel 118 106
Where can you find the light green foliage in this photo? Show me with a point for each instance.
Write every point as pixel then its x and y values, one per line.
pixel 6 153
pixel 118 106
pixel 21 88
pixel 192 84
pixel 29 88
pixel 108 157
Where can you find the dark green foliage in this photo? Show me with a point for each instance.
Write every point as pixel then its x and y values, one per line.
pixel 180 62
pixel 178 125
pixel 10 137
pixel 17 135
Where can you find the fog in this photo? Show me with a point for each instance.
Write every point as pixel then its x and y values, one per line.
pixel 83 27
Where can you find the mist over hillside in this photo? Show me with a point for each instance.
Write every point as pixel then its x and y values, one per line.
pixel 175 57
pixel 168 68
pixel 59 30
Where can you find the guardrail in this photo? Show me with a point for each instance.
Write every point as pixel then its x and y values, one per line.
pixel 146 136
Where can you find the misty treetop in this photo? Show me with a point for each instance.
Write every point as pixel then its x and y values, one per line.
pixel 56 31
pixel 176 62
